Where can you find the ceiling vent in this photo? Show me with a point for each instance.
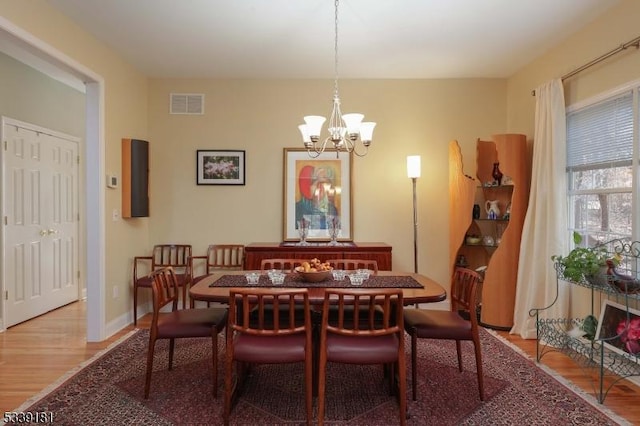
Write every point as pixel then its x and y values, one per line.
pixel 186 103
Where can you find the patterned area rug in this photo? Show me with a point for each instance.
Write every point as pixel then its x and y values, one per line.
pixel 110 391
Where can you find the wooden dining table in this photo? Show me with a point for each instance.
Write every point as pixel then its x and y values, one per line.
pixel 430 292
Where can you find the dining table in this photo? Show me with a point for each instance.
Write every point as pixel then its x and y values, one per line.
pixel 416 288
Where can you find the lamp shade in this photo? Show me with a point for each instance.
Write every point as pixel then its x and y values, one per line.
pixel 413 166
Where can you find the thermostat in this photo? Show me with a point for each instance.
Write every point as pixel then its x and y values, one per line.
pixel 112 181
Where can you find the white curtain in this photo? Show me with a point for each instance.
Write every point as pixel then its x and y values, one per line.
pixel 545 225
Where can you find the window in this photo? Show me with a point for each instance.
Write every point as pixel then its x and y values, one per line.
pixel 601 165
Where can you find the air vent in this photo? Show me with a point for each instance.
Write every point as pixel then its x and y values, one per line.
pixel 186 103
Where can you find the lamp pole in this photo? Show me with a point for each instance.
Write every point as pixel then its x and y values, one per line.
pixel 413 172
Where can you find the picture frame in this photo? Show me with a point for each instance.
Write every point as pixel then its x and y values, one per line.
pixel 220 167
pixel 318 189
pixel 611 329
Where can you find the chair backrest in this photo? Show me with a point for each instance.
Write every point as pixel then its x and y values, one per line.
pixel 268 312
pixel 225 256
pixel 174 255
pixel 164 287
pixel 285 265
pixel 363 312
pixel 353 264
pixel 465 291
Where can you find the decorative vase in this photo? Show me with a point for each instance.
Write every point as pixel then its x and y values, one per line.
pixel 476 211
pixel 496 173
pixel 492 209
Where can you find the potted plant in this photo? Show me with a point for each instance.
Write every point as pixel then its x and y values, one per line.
pixel 584 263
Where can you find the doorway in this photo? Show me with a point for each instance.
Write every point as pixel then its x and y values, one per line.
pixel 92 229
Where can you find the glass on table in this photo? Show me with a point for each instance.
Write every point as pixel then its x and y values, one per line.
pixel 339 274
pixel 252 277
pixel 364 272
pixel 356 279
pixel 277 277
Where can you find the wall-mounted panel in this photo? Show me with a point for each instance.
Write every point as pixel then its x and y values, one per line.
pixel 135 178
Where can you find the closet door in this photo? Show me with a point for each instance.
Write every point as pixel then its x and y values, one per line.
pixel 41 223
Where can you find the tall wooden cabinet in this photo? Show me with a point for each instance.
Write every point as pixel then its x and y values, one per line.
pixel 485 239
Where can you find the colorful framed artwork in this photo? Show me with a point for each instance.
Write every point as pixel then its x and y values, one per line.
pixel 217 167
pixel 619 329
pixel 318 191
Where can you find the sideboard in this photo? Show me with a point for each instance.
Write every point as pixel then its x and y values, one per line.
pixel 255 252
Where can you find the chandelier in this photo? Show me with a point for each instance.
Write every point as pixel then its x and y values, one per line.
pixel 344 130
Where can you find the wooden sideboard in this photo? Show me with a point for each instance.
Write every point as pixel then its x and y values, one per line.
pixel 255 252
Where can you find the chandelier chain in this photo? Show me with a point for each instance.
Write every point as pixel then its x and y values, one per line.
pixel 335 51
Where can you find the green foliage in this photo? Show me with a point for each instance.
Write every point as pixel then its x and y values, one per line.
pixel 581 261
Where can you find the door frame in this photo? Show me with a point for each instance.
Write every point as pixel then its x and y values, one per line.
pixel 92 156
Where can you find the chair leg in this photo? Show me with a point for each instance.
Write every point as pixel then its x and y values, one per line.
pixel 172 344
pixel 414 359
pixel 147 383
pixel 459 351
pixel 228 389
pixel 135 304
pixel 402 388
pixel 214 352
pixel 322 367
pixel 476 344
pixel 308 379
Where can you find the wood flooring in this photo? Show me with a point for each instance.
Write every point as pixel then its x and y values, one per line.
pixel 36 353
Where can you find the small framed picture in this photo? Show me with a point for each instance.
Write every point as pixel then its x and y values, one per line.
pixel 619 328
pixel 218 167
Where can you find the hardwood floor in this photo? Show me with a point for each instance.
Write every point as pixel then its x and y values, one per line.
pixel 36 353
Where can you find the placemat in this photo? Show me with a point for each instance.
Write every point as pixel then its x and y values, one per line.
pixel 293 280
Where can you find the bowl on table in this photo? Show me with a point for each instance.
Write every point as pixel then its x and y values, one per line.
pixel 314 277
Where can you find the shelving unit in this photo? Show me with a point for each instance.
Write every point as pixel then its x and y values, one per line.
pixel 501 256
pixel 596 357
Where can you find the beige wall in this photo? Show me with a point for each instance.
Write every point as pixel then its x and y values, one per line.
pixel 125 111
pixel 261 117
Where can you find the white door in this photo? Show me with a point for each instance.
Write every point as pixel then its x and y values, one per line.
pixel 40 218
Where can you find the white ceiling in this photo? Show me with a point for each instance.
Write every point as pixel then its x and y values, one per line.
pixel 295 38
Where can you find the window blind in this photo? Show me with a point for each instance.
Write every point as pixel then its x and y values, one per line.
pixel 601 135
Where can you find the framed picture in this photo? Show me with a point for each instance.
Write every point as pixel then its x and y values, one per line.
pixel 619 328
pixel 318 191
pixel 217 167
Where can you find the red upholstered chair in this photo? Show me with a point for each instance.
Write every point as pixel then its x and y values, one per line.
pixel 353 264
pixel 163 255
pixel 207 322
pixel 356 335
pixel 270 335
pixel 449 325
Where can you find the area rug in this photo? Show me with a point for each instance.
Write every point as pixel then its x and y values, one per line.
pixel 109 391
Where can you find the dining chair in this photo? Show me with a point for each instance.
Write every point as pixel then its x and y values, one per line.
pixel 353 264
pixel 180 323
pixel 219 257
pixel 273 336
pixel 163 255
pixel 449 325
pixel 285 265
pixel 355 336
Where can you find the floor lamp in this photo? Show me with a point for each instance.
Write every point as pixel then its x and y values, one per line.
pixel 413 172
